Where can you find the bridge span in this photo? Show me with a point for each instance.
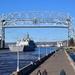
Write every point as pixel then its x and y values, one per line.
pixel 36 19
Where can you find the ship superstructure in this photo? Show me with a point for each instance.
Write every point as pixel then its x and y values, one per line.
pixel 25 44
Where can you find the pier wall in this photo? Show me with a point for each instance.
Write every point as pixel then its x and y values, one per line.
pixel 71 60
pixel 32 66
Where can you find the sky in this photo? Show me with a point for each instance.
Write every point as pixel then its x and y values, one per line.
pixel 42 34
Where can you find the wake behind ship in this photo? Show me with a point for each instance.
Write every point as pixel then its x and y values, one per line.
pixel 25 44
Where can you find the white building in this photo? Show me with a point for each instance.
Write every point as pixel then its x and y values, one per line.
pixel 59 44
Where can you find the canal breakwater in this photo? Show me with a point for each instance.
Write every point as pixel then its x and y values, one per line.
pixel 29 68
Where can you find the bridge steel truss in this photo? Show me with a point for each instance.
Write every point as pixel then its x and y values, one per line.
pixel 36 19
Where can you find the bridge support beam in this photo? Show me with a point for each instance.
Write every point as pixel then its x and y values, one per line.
pixel 3 38
pixel 68 37
pixel 3 35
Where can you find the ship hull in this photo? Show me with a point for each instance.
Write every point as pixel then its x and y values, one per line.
pixel 14 48
pixel 29 48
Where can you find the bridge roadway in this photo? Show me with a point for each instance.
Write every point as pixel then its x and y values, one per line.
pixel 55 64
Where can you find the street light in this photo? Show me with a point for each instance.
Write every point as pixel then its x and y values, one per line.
pixel 39 52
pixel 17 59
pixel 50 49
pixel 46 49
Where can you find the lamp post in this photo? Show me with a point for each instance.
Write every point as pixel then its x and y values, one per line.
pixel 17 59
pixel 50 49
pixel 39 52
pixel 46 49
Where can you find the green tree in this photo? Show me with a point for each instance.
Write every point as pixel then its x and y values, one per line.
pixel 71 42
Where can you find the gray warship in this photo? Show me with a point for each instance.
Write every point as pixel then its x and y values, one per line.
pixel 25 44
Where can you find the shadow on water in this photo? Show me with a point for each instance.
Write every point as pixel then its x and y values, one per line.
pixel 62 72
pixel 72 55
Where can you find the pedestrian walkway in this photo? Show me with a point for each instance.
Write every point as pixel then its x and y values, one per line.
pixel 55 64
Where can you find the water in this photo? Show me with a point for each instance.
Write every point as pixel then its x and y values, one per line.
pixel 8 60
pixel 72 55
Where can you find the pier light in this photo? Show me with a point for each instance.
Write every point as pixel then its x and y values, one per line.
pixel 39 52
pixel 17 59
pixel 46 49
pixel 50 49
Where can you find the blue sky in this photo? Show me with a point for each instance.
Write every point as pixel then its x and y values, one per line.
pixel 46 34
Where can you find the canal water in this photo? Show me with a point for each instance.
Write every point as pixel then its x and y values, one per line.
pixel 8 60
pixel 72 55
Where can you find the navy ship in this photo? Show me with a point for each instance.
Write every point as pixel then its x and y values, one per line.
pixel 25 44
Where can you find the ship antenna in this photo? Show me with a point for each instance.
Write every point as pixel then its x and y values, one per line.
pixel 27 35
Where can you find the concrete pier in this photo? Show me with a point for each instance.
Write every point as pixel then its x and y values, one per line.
pixel 55 64
pixel 32 66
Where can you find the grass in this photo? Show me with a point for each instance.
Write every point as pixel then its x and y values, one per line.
pixel 70 49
